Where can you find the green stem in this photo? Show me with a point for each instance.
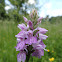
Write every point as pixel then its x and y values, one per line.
pixel 28 57
pixel 29 48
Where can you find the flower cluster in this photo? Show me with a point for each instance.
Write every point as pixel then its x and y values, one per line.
pixel 30 39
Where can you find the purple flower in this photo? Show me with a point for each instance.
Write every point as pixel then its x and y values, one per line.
pixel 42 30
pixel 31 40
pixel 23 26
pixel 43 45
pixel 21 56
pixel 39 48
pixel 38 52
pixel 30 33
pixel 20 46
pixel 19 39
pixel 39 20
pixel 30 24
pixel 25 19
pixel 41 36
pixel 22 35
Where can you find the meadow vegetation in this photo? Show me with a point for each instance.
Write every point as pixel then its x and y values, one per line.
pixel 8 30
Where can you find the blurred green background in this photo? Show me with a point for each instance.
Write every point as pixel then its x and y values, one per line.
pixel 8 29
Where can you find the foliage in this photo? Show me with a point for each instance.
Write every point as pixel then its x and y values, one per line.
pixel 18 10
pixel 13 14
pixel 57 19
pixel 2 10
pixel 21 7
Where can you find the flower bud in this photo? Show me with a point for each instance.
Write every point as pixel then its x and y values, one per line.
pixel 25 19
pixel 39 20
pixel 30 24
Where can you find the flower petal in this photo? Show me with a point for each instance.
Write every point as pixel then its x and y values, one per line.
pixel 30 24
pixel 20 46
pixel 21 57
pixel 31 40
pixel 41 36
pixel 42 30
pixel 38 53
pixel 23 26
pixel 25 19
